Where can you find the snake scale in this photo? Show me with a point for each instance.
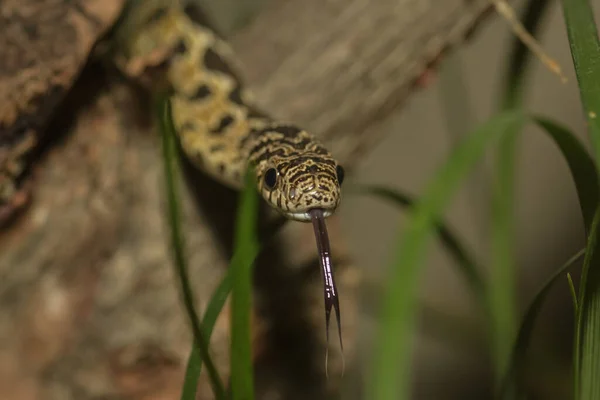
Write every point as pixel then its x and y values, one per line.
pixel 222 132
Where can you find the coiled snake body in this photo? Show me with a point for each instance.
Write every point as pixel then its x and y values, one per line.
pixel 222 132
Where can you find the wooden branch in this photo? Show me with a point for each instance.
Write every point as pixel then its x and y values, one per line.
pixel 341 67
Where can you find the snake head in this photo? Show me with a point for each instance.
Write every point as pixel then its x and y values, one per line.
pixel 298 184
pixel 295 173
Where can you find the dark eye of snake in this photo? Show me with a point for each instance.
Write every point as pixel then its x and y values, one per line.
pixel 340 174
pixel 270 178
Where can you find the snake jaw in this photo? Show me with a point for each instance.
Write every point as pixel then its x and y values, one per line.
pixel 305 216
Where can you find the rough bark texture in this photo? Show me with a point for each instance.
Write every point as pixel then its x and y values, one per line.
pixel 341 67
pixel 89 303
pixel 43 47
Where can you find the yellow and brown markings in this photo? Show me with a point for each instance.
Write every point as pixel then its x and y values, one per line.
pixel 220 129
pixel 307 174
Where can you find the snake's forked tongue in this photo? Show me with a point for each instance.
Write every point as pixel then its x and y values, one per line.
pixel 329 287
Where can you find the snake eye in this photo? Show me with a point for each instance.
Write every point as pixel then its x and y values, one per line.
pixel 270 178
pixel 340 174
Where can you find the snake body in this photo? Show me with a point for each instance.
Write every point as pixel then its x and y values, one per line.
pixel 223 133
pixel 221 130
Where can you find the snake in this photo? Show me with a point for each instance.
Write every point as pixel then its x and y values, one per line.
pixel 223 132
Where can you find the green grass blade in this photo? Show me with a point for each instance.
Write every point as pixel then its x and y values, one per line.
pixel 194 364
pixel 389 375
pixel 583 172
pixel 501 288
pixel 573 293
pixel 170 165
pixel 585 51
pixel 192 374
pixel 585 176
pixel 246 248
pixel 581 165
pixel 463 259
pixel 501 284
pixel 524 335
pixel 213 310
pixel 585 346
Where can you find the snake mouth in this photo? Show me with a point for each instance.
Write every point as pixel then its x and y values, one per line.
pixel 305 216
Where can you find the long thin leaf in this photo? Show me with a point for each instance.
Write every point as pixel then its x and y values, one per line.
pixel 585 51
pixel 583 172
pixel 523 337
pixel 502 282
pixel 246 248
pixel 463 259
pixel 573 292
pixel 213 310
pixel 580 163
pixel 170 165
pixel 390 377
pixel 585 347
pixel 192 374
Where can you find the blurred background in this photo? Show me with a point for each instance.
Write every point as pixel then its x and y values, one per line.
pixel 450 358
pixel 548 222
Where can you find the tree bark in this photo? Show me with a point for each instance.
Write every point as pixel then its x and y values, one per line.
pixel 341 68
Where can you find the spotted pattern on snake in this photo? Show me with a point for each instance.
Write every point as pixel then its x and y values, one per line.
pixel 220 129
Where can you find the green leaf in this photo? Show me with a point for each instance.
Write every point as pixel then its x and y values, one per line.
pixel 585 176
pixel 583 172
pixel 501 288
pixel 586 357
pixel 502 281
pixel 580 163
pixel 192 374
pixel 464 261
pixel 247 255
pixel 213 310
pixel 246 247
pixel 585 51
pixel 573 293
pixel 389 375
pixel 194 364
pixel 171 175
pixel 519 350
